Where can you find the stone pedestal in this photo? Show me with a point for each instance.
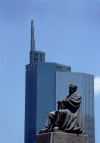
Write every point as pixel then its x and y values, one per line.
pixel 58 137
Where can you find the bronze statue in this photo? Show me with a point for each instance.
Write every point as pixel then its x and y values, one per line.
pixel 68 117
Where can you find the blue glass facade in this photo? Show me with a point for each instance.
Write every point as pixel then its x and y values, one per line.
pixel 85 83
pixel 45 93
pixel 30 103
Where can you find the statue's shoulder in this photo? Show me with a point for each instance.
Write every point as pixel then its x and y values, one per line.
pixel 77 94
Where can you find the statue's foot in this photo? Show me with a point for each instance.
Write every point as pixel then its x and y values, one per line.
pixel 56 128
pixel 44 130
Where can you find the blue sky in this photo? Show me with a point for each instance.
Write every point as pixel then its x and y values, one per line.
pixel 69 33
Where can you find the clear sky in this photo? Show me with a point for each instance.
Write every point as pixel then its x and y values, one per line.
pixel 67 30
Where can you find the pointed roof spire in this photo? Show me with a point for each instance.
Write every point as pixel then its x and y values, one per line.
pixel 32 37
pixel 32 23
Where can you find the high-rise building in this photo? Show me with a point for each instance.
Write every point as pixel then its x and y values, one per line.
pixel 46 83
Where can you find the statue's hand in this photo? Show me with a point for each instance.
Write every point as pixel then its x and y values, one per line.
pixel 63 101
pixel 59 102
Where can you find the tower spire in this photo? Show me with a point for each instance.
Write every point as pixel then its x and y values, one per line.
pixel 32 37
pixel 35 56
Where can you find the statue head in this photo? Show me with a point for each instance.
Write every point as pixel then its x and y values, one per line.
pixel 72 89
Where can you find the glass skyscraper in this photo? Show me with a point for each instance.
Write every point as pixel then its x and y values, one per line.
pixel 46 83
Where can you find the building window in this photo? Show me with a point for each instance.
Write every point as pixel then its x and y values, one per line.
pixel 35 55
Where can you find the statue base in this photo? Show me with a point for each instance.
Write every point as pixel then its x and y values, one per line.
pixel 58 137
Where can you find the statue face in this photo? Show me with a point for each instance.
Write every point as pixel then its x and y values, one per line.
pixel 71 90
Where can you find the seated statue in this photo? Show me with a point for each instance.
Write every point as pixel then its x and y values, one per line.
pixel 68 117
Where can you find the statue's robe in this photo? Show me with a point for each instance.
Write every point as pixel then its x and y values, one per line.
pixel 68 117
pixel 73 121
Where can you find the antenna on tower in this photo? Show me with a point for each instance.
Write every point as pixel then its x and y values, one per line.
pixel 32 37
